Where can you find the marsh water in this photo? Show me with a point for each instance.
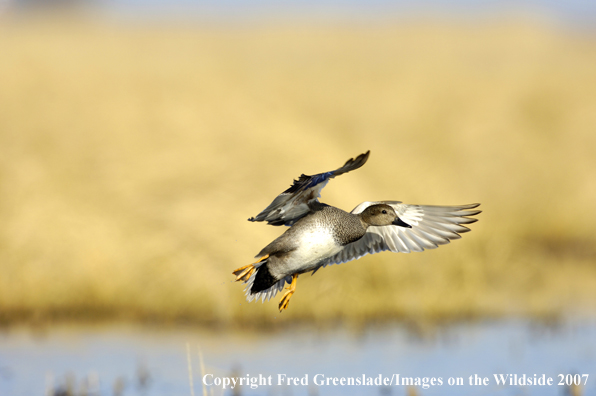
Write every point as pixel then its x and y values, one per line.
pixel 125 359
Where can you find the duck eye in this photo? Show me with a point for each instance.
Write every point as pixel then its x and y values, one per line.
pixel 384 211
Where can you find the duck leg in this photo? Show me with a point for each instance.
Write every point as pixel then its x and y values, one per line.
pixel 244 273
pixel 285 300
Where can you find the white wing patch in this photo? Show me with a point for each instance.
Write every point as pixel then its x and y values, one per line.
pixel 432 226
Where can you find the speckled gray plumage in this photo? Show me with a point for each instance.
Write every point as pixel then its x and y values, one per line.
pixel 284 257
pixel 345 228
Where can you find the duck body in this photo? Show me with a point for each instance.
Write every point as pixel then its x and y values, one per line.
pixel 307 244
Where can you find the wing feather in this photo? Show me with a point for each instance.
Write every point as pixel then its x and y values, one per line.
pixel 294 203
pixel 432 226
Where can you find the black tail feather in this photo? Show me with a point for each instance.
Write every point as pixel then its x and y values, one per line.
pixel 263 279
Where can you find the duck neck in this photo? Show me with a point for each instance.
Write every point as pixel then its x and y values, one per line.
pixel 364 224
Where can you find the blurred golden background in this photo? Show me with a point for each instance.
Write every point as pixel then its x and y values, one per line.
pixel 131 156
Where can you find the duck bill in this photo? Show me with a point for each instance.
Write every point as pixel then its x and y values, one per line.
pixel 399 222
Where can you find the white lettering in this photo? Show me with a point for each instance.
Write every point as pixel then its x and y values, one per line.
pixel 316 380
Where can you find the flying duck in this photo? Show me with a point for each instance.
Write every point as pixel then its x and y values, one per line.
pixel 322 235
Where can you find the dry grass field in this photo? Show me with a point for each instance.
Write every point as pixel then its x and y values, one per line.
pixel 131 157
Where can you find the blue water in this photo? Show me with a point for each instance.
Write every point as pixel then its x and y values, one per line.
pixel 428 7
pixel 572 13
pixel 140 360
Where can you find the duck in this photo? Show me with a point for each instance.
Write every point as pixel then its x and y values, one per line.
pixel 320 235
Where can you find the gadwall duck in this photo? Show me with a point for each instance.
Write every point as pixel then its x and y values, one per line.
pixel 321 235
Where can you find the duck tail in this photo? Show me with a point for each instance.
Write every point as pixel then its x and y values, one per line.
pixel 262 285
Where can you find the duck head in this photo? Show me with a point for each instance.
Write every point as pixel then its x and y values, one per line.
pixel 382 215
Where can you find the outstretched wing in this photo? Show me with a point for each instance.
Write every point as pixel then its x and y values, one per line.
pixel 292 204
pixel 431 226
